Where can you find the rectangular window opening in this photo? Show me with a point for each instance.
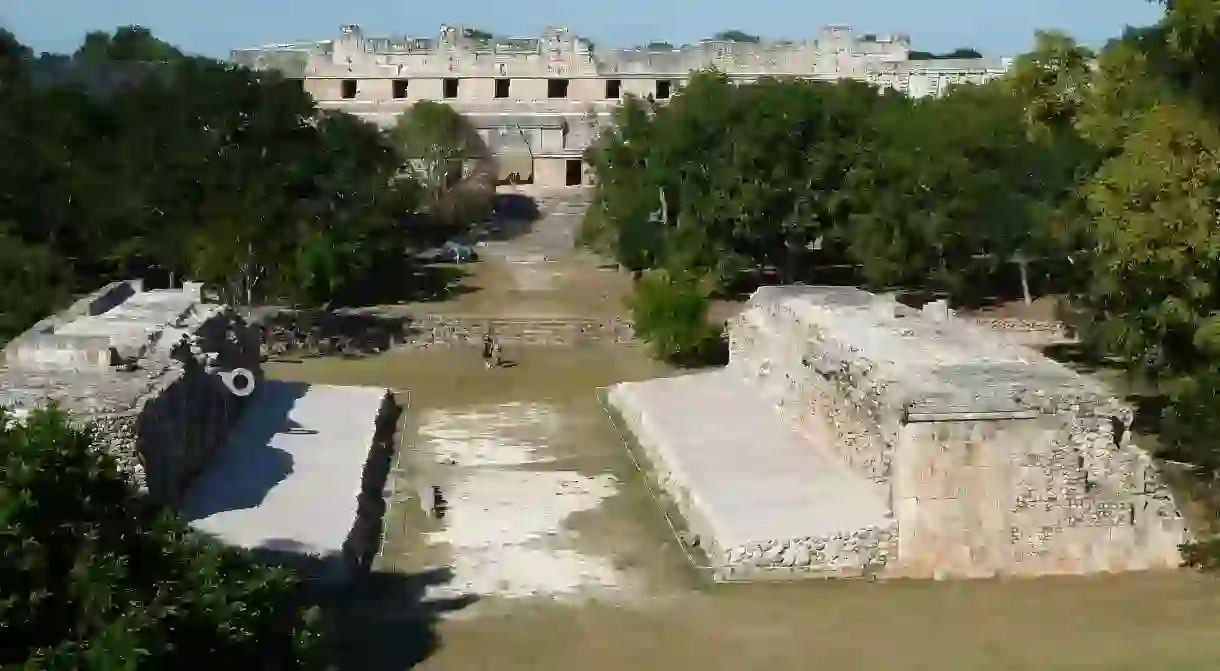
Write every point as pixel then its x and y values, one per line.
pixel 451 87
pixel 502 87
pixel 400 89
pixel 574 173
pixel 664 89
pixel 349 89
pixel 614 89
pixel 557 88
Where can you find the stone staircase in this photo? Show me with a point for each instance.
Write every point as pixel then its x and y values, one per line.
pixel 436 329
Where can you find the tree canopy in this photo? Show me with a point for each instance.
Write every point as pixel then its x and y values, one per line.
pixel 139 160
pixel 735 36
pixel 93 577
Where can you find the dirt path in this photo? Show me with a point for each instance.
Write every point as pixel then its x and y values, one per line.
pixel 551 553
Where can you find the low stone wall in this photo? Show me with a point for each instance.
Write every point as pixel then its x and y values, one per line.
pixel 364 541
pixel 1030 332
pixel 431 330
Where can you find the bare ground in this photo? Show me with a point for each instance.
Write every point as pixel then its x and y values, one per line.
pixel 655 611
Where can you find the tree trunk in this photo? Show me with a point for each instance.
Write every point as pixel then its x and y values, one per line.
pixel 1023 267
pixel 664 207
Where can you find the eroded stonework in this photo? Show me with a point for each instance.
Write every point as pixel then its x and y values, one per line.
pixel 987 458
pixel 144 367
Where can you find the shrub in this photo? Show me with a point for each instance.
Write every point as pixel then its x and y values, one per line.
pixel 670 312
pixel 94 577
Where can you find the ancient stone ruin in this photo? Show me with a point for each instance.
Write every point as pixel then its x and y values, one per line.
pixel 851 435
pixel 147 368
pixel 174 388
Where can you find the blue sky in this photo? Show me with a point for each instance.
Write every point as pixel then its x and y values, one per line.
pixel 212 27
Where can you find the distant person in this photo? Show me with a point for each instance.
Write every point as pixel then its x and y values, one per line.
pixel 497 353
pixel 488 349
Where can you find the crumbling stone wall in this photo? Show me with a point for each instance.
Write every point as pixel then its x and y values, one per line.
pixel 162 413
pixel 1047 495
pixel 171 432
pixel 1032 332
pixel 997 460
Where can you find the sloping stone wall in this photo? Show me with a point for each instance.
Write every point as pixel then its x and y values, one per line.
pixel 171 432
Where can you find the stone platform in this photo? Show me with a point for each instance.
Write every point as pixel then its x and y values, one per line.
pixel 761 498
pixel 302 477
pixel 987 458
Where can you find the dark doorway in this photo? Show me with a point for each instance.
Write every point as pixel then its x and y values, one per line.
pixel 614 89
pixel 349 89
pixel 502 86
pixel 451 87
pixel 557 88
pixel 400 89
pixel 574 173
pixel 664 89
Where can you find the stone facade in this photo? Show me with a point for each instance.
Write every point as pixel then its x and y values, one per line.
pixel 539 102
pixel 995 459
pixel 144 368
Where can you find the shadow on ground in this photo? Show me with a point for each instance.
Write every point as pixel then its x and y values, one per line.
pixel 383 623
pixel 408 281
pixel 513 217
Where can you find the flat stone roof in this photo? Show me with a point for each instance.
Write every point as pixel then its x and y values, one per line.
pixel 138 319
pixel 947 365
pixel 290 477
pixel 142 323
pixel 739 473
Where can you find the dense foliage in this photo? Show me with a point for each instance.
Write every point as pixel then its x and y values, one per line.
pixel 1094 176
pixel 91 577
pixel 798 178
pixel 670 311
pixel 137 160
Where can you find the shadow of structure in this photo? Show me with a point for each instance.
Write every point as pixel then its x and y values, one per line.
pixel 250 466
pixel 407 279
pixel 383 621
pixel 514 216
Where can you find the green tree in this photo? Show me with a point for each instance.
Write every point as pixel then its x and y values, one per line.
pixel 735 36
pixel 128 44
pixel 92 577
pixel 33 278
pixel 440 148
pixel 670 312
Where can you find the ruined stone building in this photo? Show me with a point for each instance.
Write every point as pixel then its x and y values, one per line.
pixel 142 367
pixel 852 435
pixel 537 102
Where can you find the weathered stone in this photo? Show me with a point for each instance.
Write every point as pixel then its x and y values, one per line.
pixel 163 419
pixel 976 441
pixel 363 74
